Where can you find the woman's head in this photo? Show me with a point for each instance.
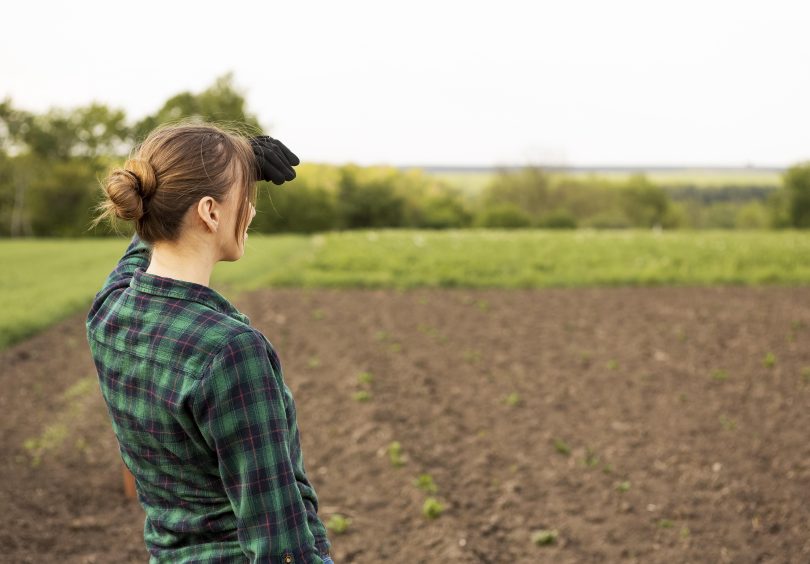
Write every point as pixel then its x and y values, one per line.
pixel 186 179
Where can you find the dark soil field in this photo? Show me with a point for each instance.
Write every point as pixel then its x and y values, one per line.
pixel 648 425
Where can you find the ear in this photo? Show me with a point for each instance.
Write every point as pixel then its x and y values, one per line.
pixel 208 210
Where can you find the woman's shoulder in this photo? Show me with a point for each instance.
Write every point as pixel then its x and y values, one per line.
pixel 243 343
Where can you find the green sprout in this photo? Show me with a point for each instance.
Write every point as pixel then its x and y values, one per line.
pixel 395 454
pixel 432 508
pixel 562 447
pixel 338 523
pixel 544 537
pixel 362 395
pixel 512 399
pixel 425 482
pixel 364 377
pixel 591 459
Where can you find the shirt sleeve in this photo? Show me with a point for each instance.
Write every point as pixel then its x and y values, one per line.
pixel 241 408
pixel 305 487
pixel 138 253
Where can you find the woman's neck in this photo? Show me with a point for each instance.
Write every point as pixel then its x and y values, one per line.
pixel 182 262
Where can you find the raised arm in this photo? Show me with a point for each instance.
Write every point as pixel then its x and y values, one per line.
pixel 138 253
pixel 241 410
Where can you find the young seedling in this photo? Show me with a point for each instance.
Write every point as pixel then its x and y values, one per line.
pixel 665 524
pixel 591 459
pixel 317 313
pixel 425 483
pixel 585 357
pixel 394 347
pixel 512 399
pixel 362 395
pixel 728 423
pixel 770 360
pixel 623 486
pixel 483 305
pixel 562 447
pixel 472 356
pixel 432 508
pixel 806 374
pixel 719 375
pixel 612 364
pixel 395 454
pixel 338 523
pixel 364 378
pixel 381 335
pixel 314 362
pixel 544 537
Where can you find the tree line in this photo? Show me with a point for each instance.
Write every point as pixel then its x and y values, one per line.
pixel 52 164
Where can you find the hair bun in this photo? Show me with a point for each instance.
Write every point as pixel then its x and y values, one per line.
pixel 145 175
pixel 128 187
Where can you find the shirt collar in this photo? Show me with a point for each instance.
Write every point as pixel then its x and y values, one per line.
pixel 182 289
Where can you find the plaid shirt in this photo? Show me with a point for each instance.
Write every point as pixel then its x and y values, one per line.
pixel 204 421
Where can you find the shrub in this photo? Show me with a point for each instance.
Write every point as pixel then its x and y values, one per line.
pixel 504 215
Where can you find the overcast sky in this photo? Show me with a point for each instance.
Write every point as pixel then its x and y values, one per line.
pixel 603 82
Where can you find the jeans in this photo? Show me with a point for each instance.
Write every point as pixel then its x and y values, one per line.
pixel 328 560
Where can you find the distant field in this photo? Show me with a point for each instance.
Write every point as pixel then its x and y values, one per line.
pixel 53 278
pixel 473 182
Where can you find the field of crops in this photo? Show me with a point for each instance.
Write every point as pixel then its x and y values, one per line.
pixel 54 278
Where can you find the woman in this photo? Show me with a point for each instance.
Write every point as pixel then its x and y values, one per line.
pixel 196 395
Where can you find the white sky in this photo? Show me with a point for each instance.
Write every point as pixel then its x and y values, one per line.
pixel 602 82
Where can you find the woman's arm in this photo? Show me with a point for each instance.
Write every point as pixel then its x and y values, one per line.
pixel 240 409
pixel 137 254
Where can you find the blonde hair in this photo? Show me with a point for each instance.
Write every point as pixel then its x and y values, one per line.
pixel 175 166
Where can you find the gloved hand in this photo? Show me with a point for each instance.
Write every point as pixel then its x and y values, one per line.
pixel 273 159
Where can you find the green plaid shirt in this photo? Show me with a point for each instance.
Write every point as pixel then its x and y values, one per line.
pixel 204 421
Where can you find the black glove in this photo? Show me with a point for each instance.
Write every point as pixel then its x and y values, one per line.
pixel 274 160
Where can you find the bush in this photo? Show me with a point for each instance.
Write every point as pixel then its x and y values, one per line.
pixel 608 219
pixel 294 207
pixel 503 215
pixel 644 203
pixel 753 215
pixel 368 203
pixel 444 211
pixel 797 184
pixel 527 190
pixel 557 219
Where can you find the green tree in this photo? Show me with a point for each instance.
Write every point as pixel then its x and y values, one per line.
pixel 298 206
pixel 60 133
pixel 644 203
pixel 371 202
pixel 61 197
pixel 796 181
pixel 220 102
pixel 527 189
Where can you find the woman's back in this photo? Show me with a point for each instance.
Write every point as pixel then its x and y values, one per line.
pixel 203 418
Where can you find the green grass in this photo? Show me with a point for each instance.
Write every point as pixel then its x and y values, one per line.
pixel 44 280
